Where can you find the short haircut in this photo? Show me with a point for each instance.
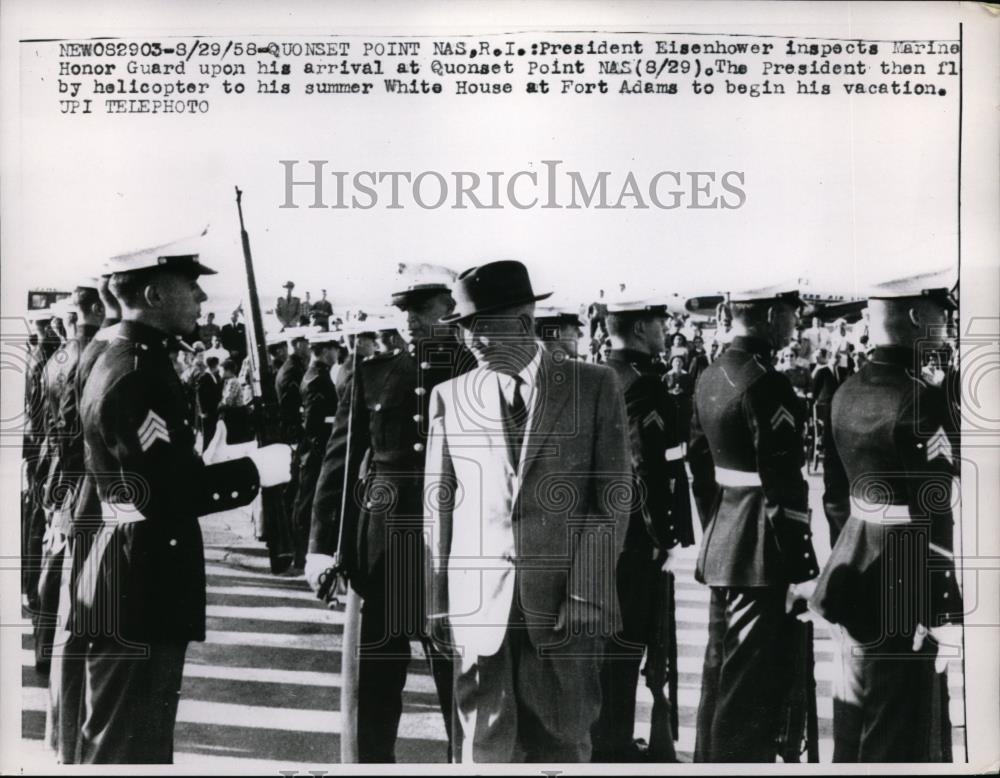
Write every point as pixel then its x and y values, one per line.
pixel 750 313
pixel 622 325
pixel 212 361
pixel 230 365
pixel 128 287
pixel 86 297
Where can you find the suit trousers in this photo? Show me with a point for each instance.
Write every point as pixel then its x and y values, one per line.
pixel 528 703
pixel 884 702
pixel 131 703
pixel 384 659
pixel 746 675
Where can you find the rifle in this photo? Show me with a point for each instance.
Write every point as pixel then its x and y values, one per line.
pixel 334 583
pixel 661 671
pixel 800 729
pixel 277 528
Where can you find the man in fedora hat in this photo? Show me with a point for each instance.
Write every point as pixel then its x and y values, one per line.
pixel 379 438
pixel 528 486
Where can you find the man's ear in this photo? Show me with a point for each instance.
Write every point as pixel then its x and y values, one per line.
pixel 914 316
pixel 771 315
pixel 151 294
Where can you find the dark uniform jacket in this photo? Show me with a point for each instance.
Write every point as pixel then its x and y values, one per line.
pixel 87 505
pixel 319 402
pixel 825 380
pixel 893 564
pixel 287 385
pixel 145 578
pixel 64 442
pixel 65 462
pixel 319 408
pixel 68 427
pixel 746 462
pixel 384 407
pixel 34 402
pixel 661 512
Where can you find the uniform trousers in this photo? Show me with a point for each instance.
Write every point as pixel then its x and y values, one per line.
pixel 746 675
pixel 131 703
pixel 66 680
pixel 612 735
pixel 528 703
pixel 45 615
pixel 310 461
pixel 885 701
pixel 382 667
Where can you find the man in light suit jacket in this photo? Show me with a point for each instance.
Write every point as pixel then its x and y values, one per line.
pixel 527 490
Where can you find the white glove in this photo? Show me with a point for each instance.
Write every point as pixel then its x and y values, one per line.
pixel 274 464
pixel 316 565
pixel 800 591
pixel 949 640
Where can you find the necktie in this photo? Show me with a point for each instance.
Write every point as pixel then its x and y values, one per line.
pixel 515 420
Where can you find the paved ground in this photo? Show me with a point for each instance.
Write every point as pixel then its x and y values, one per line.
pixel 262 692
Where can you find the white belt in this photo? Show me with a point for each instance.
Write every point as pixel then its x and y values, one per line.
pixel 726 477
pixel 120 513
pixel 879 513
pixel 675 453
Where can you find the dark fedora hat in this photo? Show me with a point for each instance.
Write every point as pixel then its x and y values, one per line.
pixel 492 287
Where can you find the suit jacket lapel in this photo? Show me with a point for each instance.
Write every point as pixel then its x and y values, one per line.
pixel 553 386
pixel 484 386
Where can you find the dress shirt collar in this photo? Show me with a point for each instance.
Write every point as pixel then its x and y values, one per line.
pixel 528 375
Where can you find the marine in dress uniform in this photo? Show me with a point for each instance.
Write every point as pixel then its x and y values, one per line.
pixel 892 575
pixel 319 408
pixel 746 461
pixel 826 380
pixel 660 518
pixel 287 385
pixel 64 480
pixel 377 452
pixel 86 521
pixel 140 596
pixel 33 455
pixel 50 492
